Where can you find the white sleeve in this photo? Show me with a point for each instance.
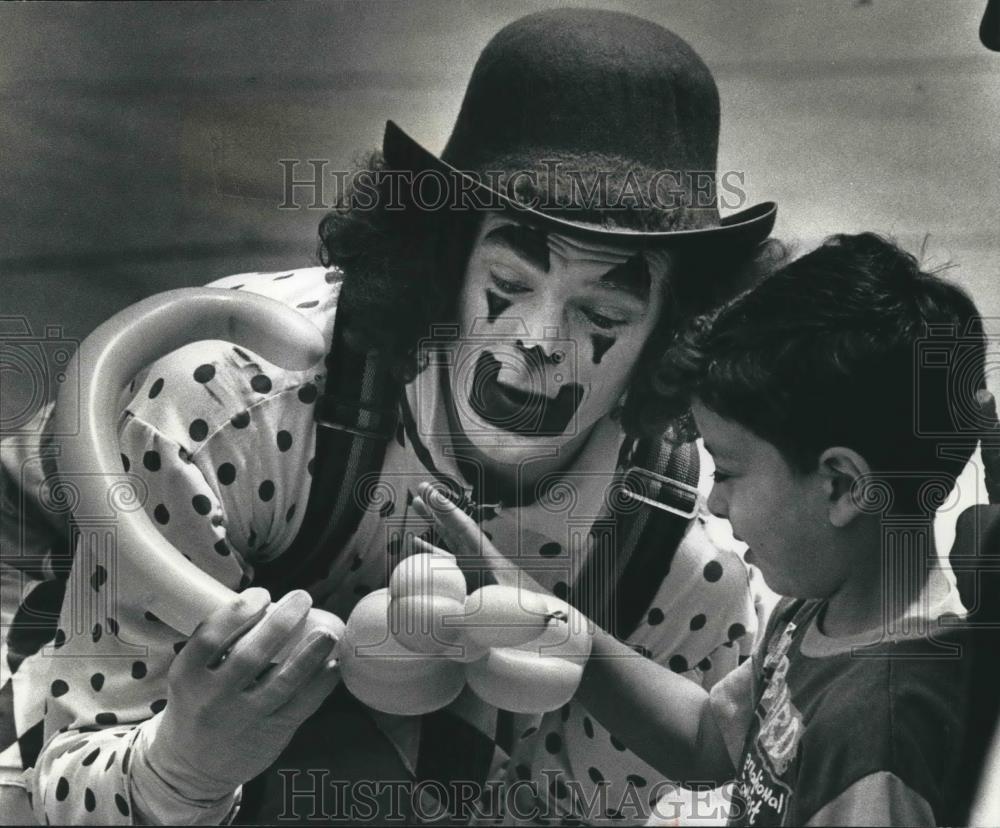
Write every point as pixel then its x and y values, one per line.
pixel 877 799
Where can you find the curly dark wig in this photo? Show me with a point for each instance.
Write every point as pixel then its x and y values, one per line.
pixel 404 270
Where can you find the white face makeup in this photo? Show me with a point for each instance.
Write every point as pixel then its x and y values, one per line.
pixel 552 328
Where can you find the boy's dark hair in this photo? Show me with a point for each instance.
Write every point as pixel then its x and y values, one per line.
pixel 832 350
pixel 405 267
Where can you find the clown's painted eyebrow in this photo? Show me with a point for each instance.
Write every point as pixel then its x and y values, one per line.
pixel 529 243
pixel 631 277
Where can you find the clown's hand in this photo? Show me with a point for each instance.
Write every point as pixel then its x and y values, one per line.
pixel 473 550
pixel 230 711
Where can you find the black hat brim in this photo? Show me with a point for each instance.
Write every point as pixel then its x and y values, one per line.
pixel 745 228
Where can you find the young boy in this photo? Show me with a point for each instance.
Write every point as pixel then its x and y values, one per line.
pixel 811 393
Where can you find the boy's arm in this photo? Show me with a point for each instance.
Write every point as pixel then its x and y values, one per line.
pixel 665 719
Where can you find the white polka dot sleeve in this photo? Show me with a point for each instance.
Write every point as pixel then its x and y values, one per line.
pixel 221 441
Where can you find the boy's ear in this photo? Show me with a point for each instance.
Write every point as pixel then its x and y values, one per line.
pixel 840 469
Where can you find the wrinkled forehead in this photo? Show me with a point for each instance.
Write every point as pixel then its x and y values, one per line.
pixel 538 247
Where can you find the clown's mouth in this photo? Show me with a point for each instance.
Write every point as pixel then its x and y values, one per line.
pixel 520 412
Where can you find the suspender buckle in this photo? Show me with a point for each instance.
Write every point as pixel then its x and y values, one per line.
pixel 661 492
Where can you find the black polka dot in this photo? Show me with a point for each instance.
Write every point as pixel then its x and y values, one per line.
pixel 550 550
pixel 138 669
pixel 596 776
pixel 311 304
pixel 308 393
pixel 235 287
pixel 79 745
pixel 261 383
pixel 98 578
pixel 290 513
pixel 226 473
pixel 155 389
pixel 310 465
pixel 112 625
pixel 96 633
pixel 126 464
pixel 698 621
pixel 59 688
pixel 204 373
pixel 636 780
pixel 151 617
pixel 284 440
pixel 286 276
pixel 151 460
pixel 241 353
pixel 588 727
pixel 59 639
pixel 91 757
pixel 529 732
pixel 705 664
pixel 266 490
pixel 221 548
pixel 198 430
pixel 121 804
pixel 62 788
pixel 553 743
pixel 712 571
pixel 162 514
pixel 617 743
pixel 158 705
pixel 560 590
pixel 111 760
pixel 655 616
pixel 106 719
pixel 736 631
pixel 97 681
pixel 182 453
pixel 125 759
pixel 678 664
pixel 202 505
pixel 241 420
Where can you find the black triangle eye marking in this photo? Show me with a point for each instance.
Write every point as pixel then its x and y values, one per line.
pixel 601 346
pixel 496 304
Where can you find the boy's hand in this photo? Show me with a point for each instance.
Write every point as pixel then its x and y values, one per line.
pixel 466 540
pixel 230 711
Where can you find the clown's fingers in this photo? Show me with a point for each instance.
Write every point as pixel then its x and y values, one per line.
pixel 309 694
pixel 291 679
pixel 213 639
pixel 252 654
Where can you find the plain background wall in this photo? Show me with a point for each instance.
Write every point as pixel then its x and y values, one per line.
pixel 139 143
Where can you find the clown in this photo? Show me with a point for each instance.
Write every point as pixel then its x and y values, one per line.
pixel 512 328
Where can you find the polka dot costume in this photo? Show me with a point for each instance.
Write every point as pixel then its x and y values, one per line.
pixel 223 442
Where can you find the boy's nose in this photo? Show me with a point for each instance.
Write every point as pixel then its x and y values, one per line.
pixel 716 503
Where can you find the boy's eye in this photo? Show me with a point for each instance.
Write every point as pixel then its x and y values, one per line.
pixel 603 322
pixel 508 286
